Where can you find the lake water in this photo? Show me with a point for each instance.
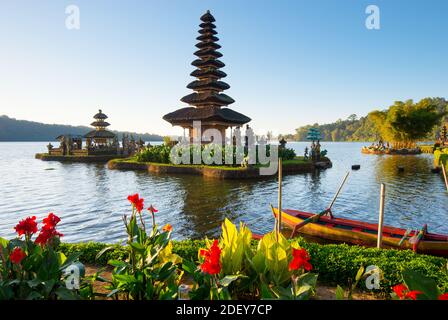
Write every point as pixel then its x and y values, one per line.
pixel 91 199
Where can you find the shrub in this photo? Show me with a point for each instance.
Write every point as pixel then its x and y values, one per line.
pixel 287 153
pixel 335 263
pixel 87 252
pixel 158 154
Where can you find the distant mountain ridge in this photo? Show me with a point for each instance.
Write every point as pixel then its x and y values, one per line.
pixel 23 130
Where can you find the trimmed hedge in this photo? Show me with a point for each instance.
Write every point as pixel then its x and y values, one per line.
pixel 335 263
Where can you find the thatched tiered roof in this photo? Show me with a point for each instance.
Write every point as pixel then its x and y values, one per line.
pixel 100 125
pixel 207 102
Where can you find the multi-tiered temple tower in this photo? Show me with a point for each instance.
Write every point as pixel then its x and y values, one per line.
pixel 208 103
pixel 100 136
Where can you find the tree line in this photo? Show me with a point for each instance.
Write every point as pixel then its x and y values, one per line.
pixel 23 130
pixel 402 124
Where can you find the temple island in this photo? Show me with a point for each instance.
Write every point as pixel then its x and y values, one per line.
pixel 101 145
pixel 208 106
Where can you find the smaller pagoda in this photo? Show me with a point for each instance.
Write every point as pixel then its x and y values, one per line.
pixel 100 137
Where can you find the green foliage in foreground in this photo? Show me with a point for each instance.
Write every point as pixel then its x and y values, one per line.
pixel 335 264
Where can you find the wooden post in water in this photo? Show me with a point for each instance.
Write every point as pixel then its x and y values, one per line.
pixel 278 228
pixel 380 219
pixel 444 176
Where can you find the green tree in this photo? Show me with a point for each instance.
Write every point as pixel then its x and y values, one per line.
pixel 405 123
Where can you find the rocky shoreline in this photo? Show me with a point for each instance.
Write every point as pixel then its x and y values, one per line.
pixel 81 159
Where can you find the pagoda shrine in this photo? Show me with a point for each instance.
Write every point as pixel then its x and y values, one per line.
pixel 207 103
pixel 100 136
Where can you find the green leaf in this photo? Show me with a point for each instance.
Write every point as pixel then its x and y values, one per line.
pixel 266 293
pixel 65 294
pixel 4 243
pixel 34 295
pixel 189 266
pixel 360 273
pixel 416 281
pixel 340 293
pixel 99 254
pixel 227 280
pixel 118 263
pixel 138 247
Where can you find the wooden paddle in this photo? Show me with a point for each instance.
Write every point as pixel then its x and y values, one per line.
pixel 316 217
pixel 415 240
pixel 408 231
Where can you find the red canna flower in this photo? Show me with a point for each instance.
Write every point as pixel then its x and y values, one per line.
pixel 211 264
pixel 27 226
pixel 46 234
pixel 443 296
pixel 152 209
pixel 48 230
pixel 402 291
pixel 136 201
pixel 17 255
pixel 399 290
pixel 413 294
pixel 300 260
pixel 167 228
pixel 51 220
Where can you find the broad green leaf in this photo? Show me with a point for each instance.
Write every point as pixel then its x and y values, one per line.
pixel 416 281
pixel 265 292
pixel 227 280
pixel 3 242
pixel 99 254
pixel 340 293
pixel 189 266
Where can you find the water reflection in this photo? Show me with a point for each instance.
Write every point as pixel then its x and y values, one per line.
pixel 91 199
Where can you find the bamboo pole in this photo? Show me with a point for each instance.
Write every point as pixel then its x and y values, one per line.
pixel 381 215
pixel 339 190
pixel 279 216
pixel 444 176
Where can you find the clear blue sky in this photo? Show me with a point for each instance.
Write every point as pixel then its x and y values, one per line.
pixel 289 63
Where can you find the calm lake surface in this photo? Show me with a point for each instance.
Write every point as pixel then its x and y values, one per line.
pixel 91 199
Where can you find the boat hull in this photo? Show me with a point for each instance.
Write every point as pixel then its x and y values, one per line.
pixel 361 233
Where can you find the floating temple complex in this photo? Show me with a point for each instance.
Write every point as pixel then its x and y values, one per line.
pixel 208 103
pixel 100 143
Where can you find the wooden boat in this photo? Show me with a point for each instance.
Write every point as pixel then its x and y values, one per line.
pixel 365 234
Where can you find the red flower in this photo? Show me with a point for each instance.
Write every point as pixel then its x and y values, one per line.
pixel 211 264
pixel 46 234
pixel 52 220
pixel 27 226
pixel 136 201
pixel 413 294
pixel 48 231
pixel 17 255
pixel 300 260
pixel 443 296
pixel 152 209
pixel 402 291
